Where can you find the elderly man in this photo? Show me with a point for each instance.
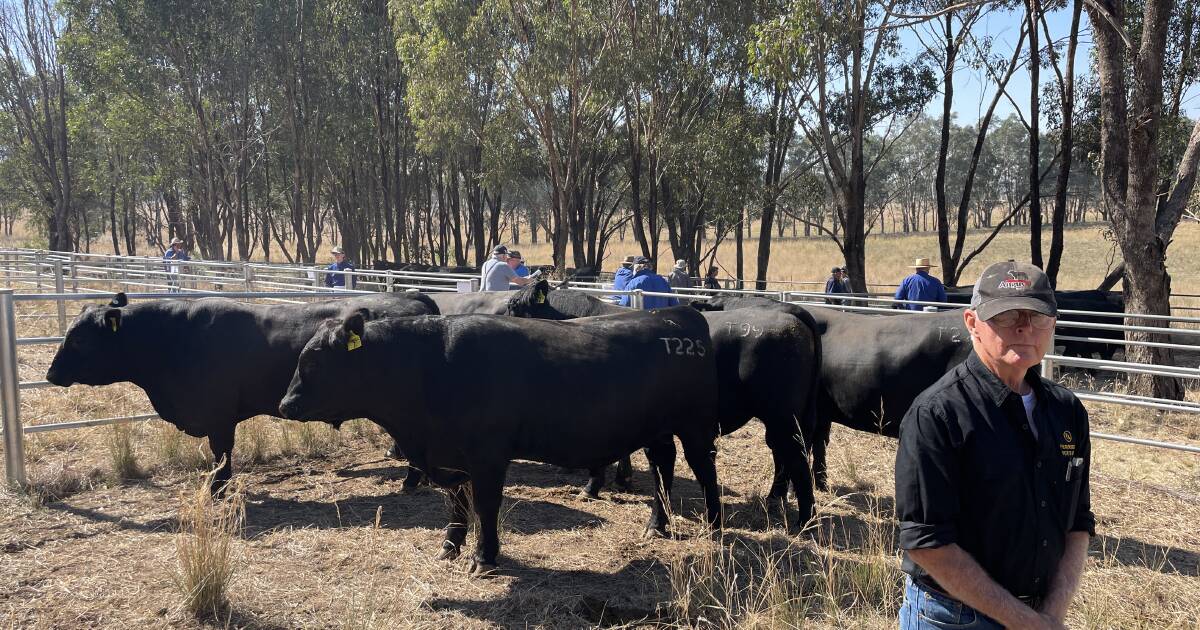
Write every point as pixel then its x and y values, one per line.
pixel 679 278
pixel 992 473
pixel 920 286
pixel 503 272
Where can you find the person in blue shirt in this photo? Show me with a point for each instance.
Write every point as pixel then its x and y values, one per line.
pixel 645 279
pixel 339 264
pixel 176 251
pixel 920 286
pixel 522 271
pixel 624 274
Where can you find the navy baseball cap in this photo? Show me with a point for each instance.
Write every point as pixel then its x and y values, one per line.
pixel 1010 286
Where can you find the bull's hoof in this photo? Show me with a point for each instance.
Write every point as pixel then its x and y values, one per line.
pixel 588 496
pixel 654 533
pixel 481 569
pixel 450 551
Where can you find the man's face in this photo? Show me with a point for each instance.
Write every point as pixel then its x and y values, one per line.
pixel 837 275
pixel 1020 345
pixel 176 246
pixel 338 258
pixel 514 262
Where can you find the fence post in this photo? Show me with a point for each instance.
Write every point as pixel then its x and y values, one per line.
pixel 636 299
pixel 348 280
pixel 74 275
pixel 59 288
pixel 10 403
pixel 37 270
pixel 248 276
pixel 391 281
pixel 1047 362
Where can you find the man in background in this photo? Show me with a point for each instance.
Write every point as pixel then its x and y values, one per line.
pixel 920 286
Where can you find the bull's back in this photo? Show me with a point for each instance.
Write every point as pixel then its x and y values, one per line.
pixel 548 390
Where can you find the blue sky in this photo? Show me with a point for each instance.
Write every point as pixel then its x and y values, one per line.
pixel 973 93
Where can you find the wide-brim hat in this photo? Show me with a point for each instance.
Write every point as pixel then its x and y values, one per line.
pixel 1010 286
pixel 922 263
pixel 629 260
pixel 681 264
pixel 337 250
pixel 176 241
pixel 512 253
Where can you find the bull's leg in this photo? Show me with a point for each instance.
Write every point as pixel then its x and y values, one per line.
pixel 661 455
pixel 787 448
pixel 624 476
pixel 220 442
pixel 701 456
pixel 819 443
pixel 595 483
pixel 456 530
pixel 487 492
pixel 413 480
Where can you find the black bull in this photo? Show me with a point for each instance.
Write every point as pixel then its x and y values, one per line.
pixel 205 364
pixel 767 369
pixel 872 367
pixel 426 379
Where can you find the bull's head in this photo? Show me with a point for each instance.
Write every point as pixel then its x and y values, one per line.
pixel 329 373
pixel 92 351
pixel 532 301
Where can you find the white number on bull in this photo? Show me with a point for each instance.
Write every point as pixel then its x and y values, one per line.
pixel 744 329
pixel 684 347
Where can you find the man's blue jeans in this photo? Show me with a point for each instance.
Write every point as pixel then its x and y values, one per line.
pixel 925 609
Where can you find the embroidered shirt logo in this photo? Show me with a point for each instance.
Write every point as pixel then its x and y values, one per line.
pixel 1016 280
pixel 1068 445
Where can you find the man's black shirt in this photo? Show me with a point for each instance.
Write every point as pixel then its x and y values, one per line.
pixel 969 471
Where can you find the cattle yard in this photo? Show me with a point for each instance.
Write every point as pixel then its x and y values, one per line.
pixel 329 542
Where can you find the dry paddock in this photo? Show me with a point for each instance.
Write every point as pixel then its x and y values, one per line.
pixel 328 542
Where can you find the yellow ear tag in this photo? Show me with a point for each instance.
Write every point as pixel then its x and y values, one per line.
pixel 113 322
pixel 541 298
pixel 354 343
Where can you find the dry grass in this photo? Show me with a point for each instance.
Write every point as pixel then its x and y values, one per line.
pixel 328 542
pixel 205 545
pixel 122 458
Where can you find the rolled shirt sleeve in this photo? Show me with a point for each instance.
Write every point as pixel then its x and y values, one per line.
pixel 927 489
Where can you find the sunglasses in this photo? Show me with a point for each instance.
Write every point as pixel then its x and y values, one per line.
pixel 1010 319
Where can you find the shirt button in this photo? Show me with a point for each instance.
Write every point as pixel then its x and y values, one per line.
pixel 1025 426
pixel 1039 464
pixel 1043 505
pixel 1037 580
pixel 1044 543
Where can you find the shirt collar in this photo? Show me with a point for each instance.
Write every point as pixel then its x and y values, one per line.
pixel 992 386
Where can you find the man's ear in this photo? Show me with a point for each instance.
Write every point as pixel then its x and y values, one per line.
pixel 971 320
pixel 112 319
pixel 119 300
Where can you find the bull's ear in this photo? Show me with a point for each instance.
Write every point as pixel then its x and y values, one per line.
pixel 112 319
pixel 119 300
pixel 353 325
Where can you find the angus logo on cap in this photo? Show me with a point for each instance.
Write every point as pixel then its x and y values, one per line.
pixel 1016 280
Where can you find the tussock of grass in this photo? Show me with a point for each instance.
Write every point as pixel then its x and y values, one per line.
pixel 253 443
pixel 179 451
pixel 56 481
pixel 122 457
pixel 316 439
pixel 204 545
